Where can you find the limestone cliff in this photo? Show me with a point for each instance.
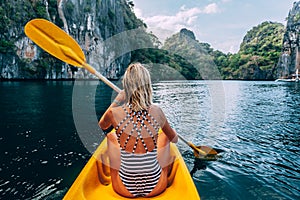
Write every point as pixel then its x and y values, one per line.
pixel 90 22
pixel 289 60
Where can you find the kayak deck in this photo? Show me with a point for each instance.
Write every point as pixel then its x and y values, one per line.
pixel 94 181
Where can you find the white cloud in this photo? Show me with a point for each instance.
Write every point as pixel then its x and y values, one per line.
pixel 206 22
pixel 225 1
pixel 138 12
pixel 165 25
pixel 211 9
pixel 229 45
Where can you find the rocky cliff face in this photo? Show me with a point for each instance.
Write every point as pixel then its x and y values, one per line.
pixel 289 60
pixel 90 22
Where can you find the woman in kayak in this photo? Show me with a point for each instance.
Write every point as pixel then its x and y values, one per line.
pixel 139 157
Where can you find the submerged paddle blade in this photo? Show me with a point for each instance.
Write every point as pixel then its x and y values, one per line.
pixel 55 41
pixel 196 149
pixel 211 154
pixel 208 150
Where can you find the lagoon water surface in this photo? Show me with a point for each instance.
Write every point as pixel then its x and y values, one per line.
pixel 48 132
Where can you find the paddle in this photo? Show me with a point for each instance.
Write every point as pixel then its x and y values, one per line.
pixel 58 43
pixel 201 152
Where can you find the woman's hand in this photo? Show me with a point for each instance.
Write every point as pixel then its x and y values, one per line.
pixel 106 120
pixel 120 98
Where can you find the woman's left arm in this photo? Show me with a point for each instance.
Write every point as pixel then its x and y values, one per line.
pixel 106 120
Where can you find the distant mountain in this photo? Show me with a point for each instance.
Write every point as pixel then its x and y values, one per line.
pixel 266 50
pixel 182 56
pixel 198 56
pixel 256 59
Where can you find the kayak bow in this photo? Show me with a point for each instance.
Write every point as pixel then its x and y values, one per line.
pixel 94 181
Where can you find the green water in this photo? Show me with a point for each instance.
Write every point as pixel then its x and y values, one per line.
pixel 49 129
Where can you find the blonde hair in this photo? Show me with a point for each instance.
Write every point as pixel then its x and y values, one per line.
pixel 137 86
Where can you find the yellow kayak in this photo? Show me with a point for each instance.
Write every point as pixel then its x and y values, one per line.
pixel 94 183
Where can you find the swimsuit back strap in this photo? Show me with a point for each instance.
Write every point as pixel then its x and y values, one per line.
pixel 138 120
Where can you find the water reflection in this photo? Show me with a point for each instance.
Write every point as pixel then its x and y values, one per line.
pixel 42 152
pixel 259 134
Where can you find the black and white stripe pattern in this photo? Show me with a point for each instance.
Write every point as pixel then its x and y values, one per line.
pixel 139 172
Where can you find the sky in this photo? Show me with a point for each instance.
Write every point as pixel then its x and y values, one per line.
pixel 221 23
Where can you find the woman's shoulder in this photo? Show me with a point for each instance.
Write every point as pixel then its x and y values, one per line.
pixel 157 112
pixel 117 114
pixel 155 108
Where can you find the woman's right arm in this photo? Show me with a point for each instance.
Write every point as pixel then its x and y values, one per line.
pixel 170 132
pixel 166 128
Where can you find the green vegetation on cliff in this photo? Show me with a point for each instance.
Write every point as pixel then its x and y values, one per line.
pixel 14 15
pixel 182 52
pixel 260 51
pixel 256 59
pixel 196 59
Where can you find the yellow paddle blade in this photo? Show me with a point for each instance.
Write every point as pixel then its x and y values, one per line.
pixel 55 41
pixel 207 150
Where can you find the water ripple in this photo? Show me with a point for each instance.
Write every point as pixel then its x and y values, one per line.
pixel 256 124
pixel 260 137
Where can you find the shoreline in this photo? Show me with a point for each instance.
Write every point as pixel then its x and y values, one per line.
pixel 91 79
pixel 42 80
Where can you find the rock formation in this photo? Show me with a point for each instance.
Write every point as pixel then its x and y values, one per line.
pixel 290 59
pixel 90 22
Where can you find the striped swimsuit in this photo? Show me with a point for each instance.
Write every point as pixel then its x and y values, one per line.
pixel 139 172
